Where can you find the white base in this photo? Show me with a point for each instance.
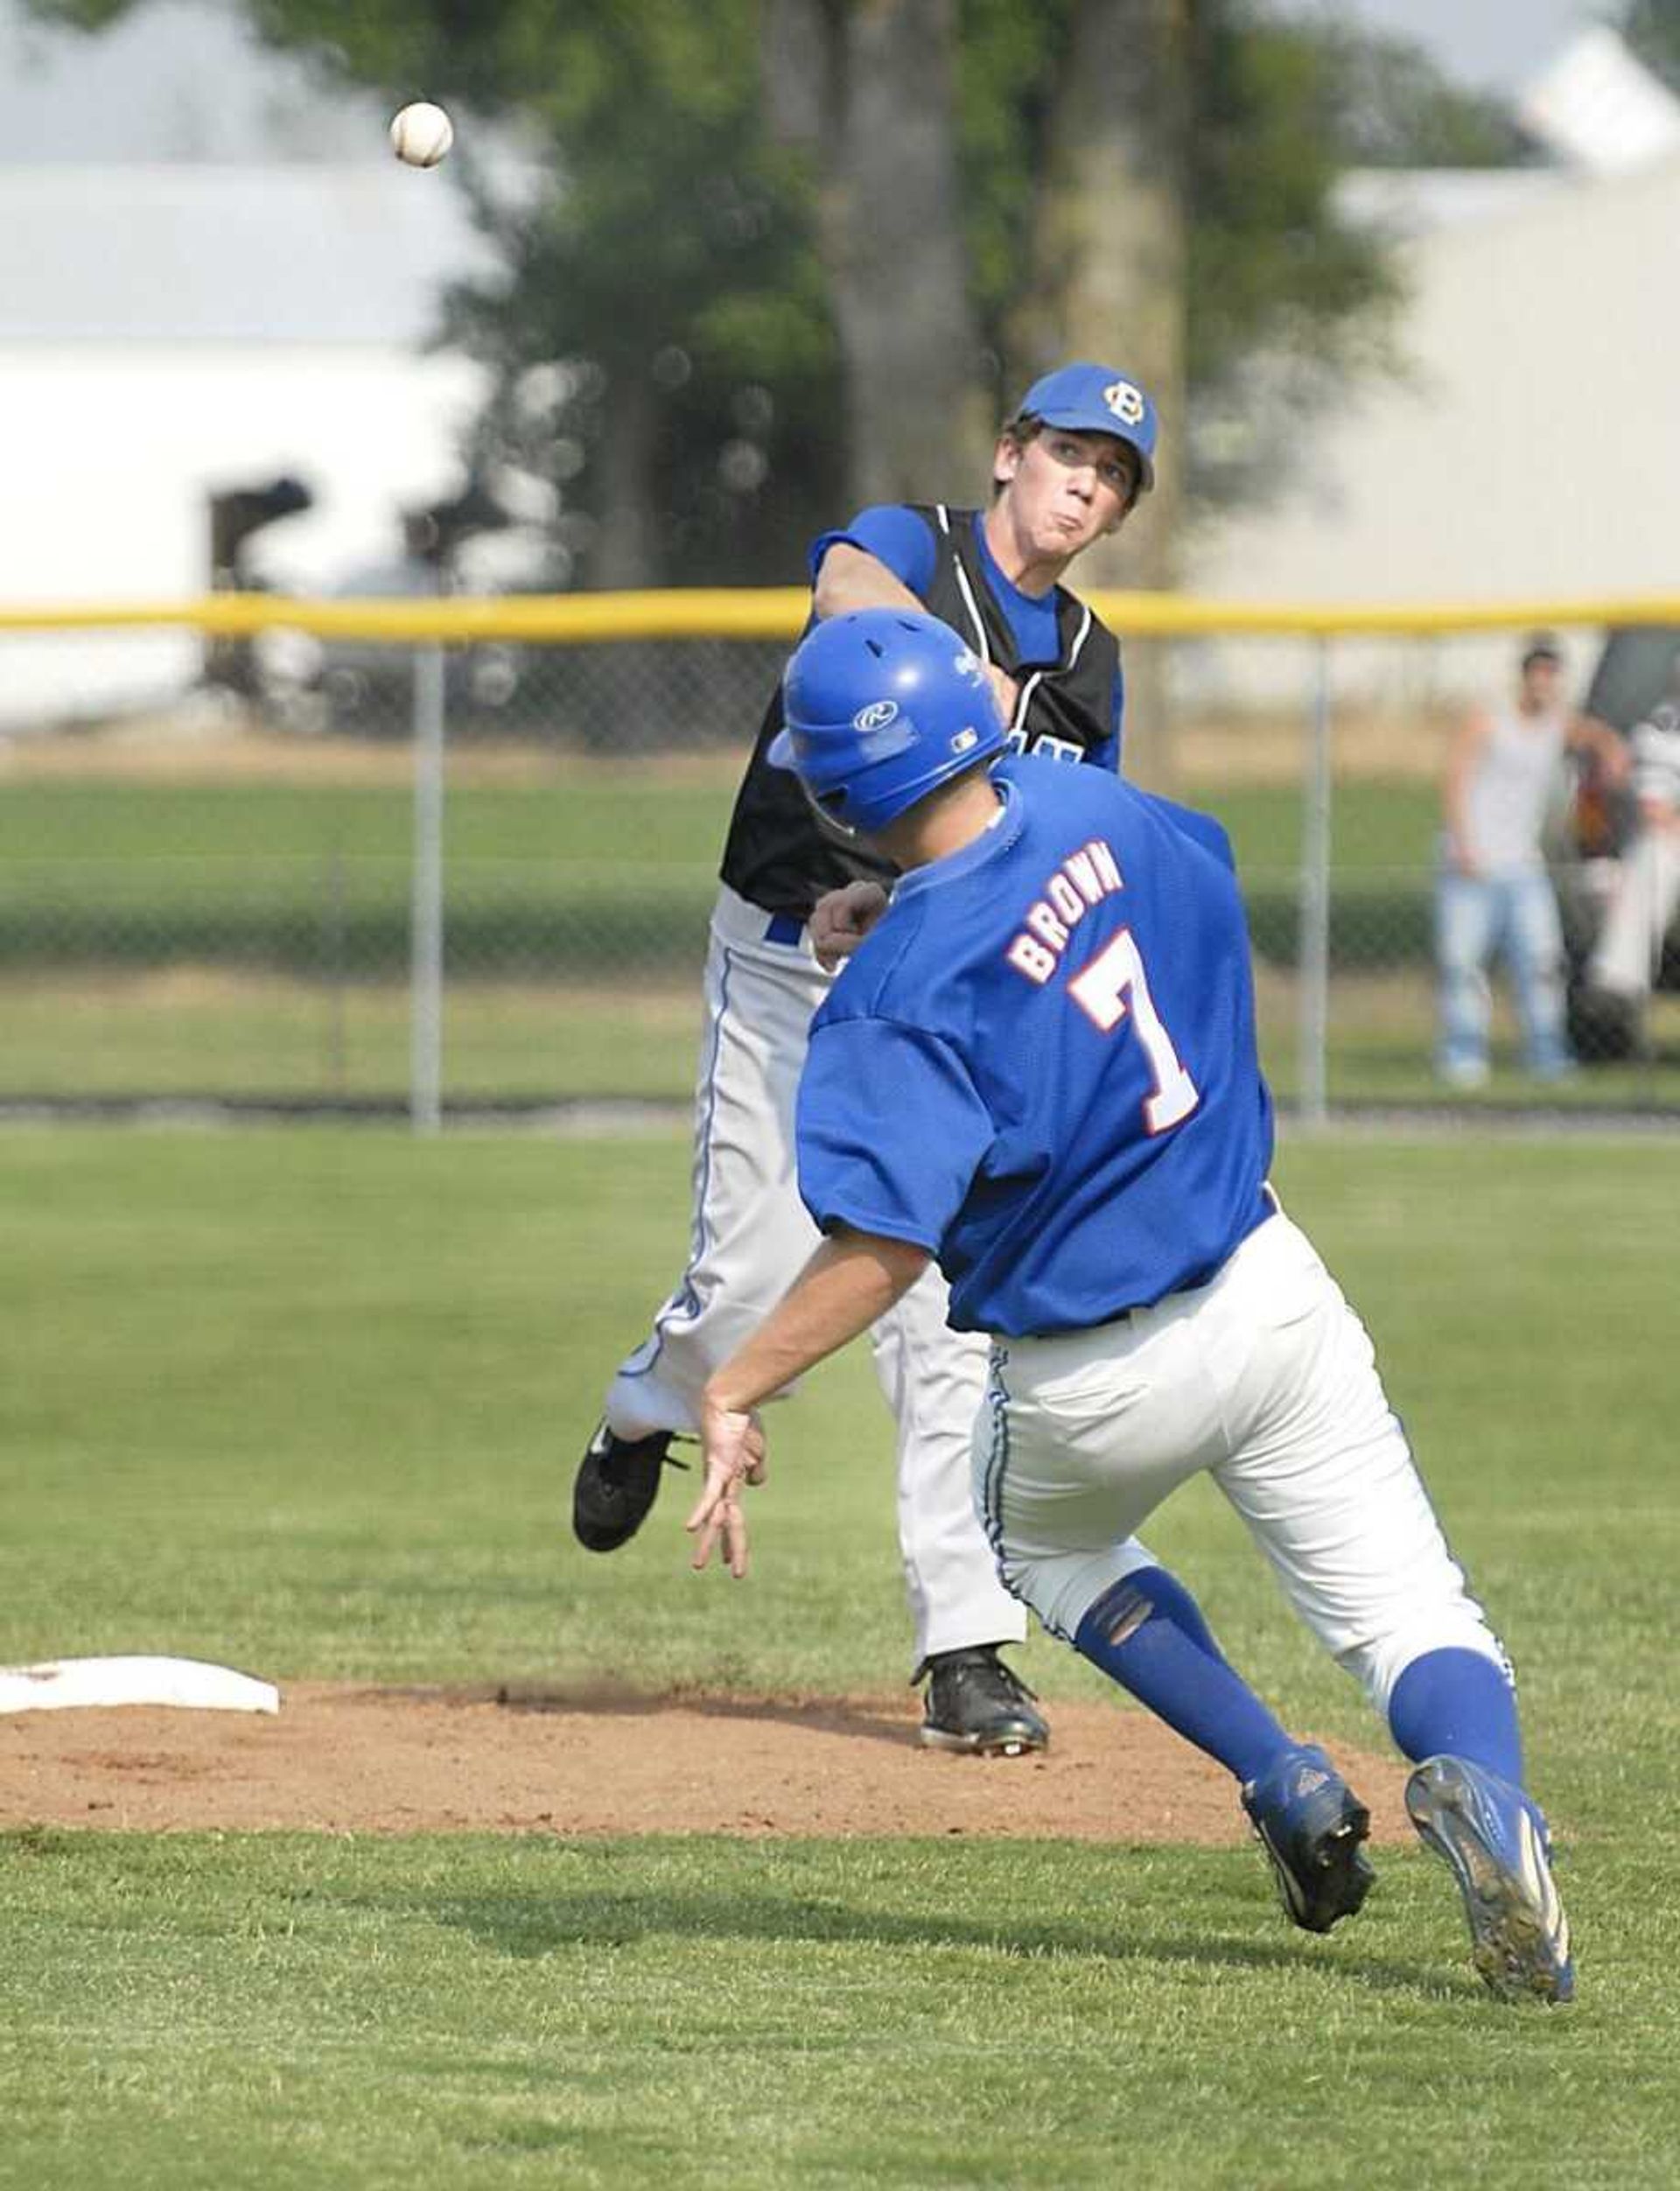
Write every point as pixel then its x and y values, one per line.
pixel 58 1684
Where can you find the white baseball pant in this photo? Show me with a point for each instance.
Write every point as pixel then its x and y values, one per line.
pixel 750 1238
pixel 1629 949
pixel 1265 1378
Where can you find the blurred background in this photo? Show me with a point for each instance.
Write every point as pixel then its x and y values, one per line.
pixel 697 282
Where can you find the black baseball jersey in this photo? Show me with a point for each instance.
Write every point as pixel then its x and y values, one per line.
pixel 782 855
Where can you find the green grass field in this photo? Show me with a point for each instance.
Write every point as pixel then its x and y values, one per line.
pixel 250 939
pixel 562 811
pixel 579 872
pixel 308 1402
pixel 220 1034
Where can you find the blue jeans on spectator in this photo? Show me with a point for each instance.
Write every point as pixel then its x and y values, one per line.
pixel 1517 917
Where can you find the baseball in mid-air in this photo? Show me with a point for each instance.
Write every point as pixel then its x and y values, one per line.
pixel 422 134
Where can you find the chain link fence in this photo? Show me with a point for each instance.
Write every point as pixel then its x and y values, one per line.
pixel 402 872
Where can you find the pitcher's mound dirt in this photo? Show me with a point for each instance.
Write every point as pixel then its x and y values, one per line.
pixel 383 1760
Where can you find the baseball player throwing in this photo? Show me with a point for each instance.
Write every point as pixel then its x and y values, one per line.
pixel 796 889
pixel 1039 1067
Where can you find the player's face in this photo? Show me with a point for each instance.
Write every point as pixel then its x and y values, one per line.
pixel 1065 490
pixel 1542 681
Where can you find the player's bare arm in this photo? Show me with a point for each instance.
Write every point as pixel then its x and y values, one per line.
pixel 849 1283
pixel 851 578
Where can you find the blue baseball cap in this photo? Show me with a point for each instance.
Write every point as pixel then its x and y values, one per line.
pixel 1097 399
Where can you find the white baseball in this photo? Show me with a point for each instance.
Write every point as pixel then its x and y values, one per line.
pixel 422 134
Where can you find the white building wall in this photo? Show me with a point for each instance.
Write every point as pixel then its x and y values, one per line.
pixel 107 489
pixel 1533 448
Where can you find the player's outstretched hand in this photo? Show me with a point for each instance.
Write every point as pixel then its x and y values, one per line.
pixel 734 1451
pixel 840 919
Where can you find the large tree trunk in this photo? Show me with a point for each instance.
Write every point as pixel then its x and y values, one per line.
pixel 871 85
pixel 625 551
pixel 1108 254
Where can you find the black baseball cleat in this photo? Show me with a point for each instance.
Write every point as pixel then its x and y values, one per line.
pixel 974 1703
pixel 616 1484
pixel 1310 1823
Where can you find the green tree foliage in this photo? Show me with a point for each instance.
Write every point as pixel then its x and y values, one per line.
pixel 1397 110
pixel 662 345
pixel 1652 28
pixel 1286 296
pixel 670 272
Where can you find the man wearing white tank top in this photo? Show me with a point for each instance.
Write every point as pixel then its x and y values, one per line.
pixel 1494 896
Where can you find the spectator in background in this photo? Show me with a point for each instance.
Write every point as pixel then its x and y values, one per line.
pixel 1629 949
pixel 1492 894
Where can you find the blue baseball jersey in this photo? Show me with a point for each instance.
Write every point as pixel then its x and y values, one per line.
pixel 1040 1064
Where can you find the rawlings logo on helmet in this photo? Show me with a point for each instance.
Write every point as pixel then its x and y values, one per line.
pixel 880 709
pixel 1125 401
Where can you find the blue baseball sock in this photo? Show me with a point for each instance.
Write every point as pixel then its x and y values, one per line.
pixel 1460 1702
pixel 1148 1635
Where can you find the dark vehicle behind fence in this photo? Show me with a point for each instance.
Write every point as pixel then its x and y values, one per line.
pixel 1634 673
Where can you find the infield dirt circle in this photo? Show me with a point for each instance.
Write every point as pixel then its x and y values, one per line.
pixel 347 1759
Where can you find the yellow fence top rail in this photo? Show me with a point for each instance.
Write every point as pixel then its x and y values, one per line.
pixel 779 613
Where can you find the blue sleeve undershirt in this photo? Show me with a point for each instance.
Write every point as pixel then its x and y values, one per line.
pixel 893 535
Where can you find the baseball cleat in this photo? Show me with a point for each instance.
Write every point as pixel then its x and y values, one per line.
pixel 615 1487
pixel 1496 1842
pixel 975 1704
pixel 1310 1823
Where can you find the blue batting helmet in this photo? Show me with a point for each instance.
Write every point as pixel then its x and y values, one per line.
pixel 881 707
pixel 1098 399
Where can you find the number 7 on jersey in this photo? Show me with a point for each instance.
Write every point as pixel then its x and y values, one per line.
pixel 1113 985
